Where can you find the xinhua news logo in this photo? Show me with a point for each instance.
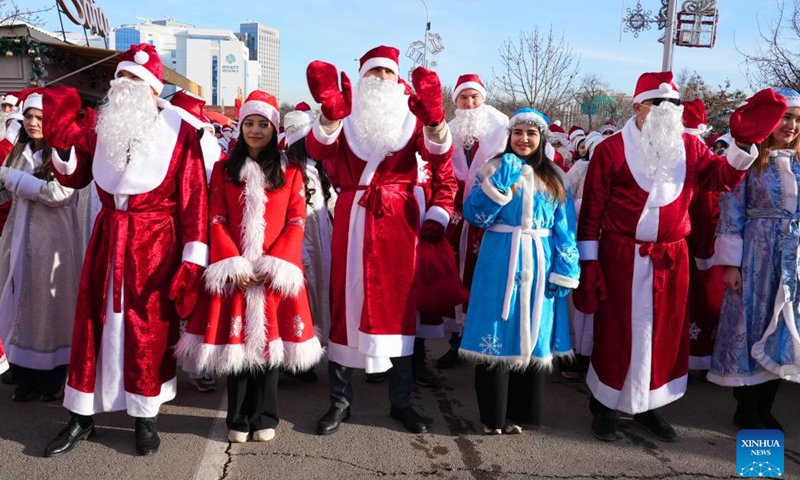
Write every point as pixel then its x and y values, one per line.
pixel 759 453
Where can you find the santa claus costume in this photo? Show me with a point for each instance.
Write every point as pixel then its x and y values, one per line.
pixel 528 259
pixel 39 285
pixel 255 317
pixel 758 240
pixel 480 132
pixel 372 157
pixel 147 252
pixel 190 108
pixel 634 277
pixel 560 141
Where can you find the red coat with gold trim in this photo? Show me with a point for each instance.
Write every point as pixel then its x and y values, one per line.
pixel 254 233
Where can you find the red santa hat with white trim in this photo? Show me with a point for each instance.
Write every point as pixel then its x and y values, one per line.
pixel 694 118
pixel 469 80
pixel 143 61
pixel 33 100
pixel 298 123
pixel 576 134
pixel 261 103
pixel 609 127
pixel 557 133
pixel 9 99
pixel 190 108
pixel 655 85
pixel 380 56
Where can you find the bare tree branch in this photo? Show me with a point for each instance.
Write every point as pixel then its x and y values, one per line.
pixel 776 58
pixel 11 13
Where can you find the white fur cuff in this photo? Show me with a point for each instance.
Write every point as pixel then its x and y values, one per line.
pixel 562 281
pixel 739 159
pixel 325 138
pixel 220 276
pixel 284 277
pixel 588 249
pixel 439 148
pixel 494 194
pixel 24 184
pixel 195 252
pixel 704 263
pixel 728 251
pixel 438 215
pixel 65 168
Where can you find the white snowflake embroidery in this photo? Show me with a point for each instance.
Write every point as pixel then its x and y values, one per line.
pixel 220 219
pixel 236 326
pixel 302 192
pixel 456 218
pixel 476 248
pixel 423 175
pixel 569 254
pixel 484 219
pixel 694 331
pixel 182 326
pixel 538 223
pixel 299 326
pixel 490 345
pixel 297 221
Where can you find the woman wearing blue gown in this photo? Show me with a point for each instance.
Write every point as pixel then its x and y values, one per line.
pixel 757 240
pixel 528 258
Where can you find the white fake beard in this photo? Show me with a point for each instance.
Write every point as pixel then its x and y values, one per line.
pixel 379 111
pixel 126 121
pixel 3 118
pixel 565 153
pixel 472 125
pixel 662 140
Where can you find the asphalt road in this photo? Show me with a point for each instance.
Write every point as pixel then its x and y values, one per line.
pixel 371 444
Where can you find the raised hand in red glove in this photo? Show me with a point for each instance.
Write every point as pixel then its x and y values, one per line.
pixel 432 231
pixel 185 289
pixel 426 104
pixel 60 126
pixel 324 86
pixel 760 115
pixel 592 289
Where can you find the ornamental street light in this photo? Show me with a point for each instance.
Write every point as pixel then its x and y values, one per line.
pixel 418 50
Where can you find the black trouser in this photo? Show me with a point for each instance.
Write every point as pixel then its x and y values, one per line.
pixel 253 400
pixel 418 357
pixel 30 377
pixel 756 399
pixel 340 376
pixel 512 395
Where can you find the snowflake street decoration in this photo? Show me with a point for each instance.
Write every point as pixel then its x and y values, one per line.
pixel 490 345
pixel 694 331
pixel 637 20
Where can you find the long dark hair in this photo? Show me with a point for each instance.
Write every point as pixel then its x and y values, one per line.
pixel 297 153
pixel 42 172
pixel 544 168
pixel 268 159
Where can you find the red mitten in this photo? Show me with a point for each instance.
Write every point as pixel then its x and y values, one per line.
pixel 432 231
pixel 59 116
pixel 592 289
pixel 185 289
pixel 426 104
pixel 760 115
pixel 324 88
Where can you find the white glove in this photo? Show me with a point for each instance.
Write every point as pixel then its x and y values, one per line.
pixel 3 174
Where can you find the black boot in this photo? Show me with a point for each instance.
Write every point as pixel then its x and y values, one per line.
pixel 79 427
pixel 604 421
pixel 765 396
pixel 747 416
pixel 422 376
pixel 147 439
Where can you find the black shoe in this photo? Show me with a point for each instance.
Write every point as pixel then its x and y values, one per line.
pixel 412 421
pixel 655 423
pixel 51 393
pixel 147 439
pixel 376 377
pixel 68 437
pixel 329 423
pixel 769 421
pixel 748 421
pixel 8 377
pixel 423 377
pixel 449 360
pixel 604 427
pixel 24 393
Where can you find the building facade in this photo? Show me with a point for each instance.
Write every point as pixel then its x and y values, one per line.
pixel 264 43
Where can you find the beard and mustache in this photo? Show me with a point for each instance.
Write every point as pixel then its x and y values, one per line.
pixel 472 125
pixel 662 139
pixel 126 122
pixel 380 108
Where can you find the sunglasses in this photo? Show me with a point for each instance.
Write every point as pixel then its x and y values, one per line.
pixel 657 101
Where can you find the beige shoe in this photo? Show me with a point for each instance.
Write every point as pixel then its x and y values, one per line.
pixel 491 431
pixel 235 436
pixel 512 428
pixel 264 435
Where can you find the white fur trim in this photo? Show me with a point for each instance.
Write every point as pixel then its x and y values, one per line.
pixel 563 281
pixel 439 215
pixel 256 107
pixel 740 159
pixel 473 85
pixel 141 72
pixel 221 359
pixel 285 277
pixel 255 328
pixel 86 403
pixel 195 252
pixel 195 122
pixel 438 148
pixel 491 145
pixel 728 250
pixel 704 263
pixel 221 277
pixel 3 364
pixel 701 130
pixel 549 151
pixel 321 136
pixel 301 356
pixel 494 194
pixel 373 353
pixel 611 398
pixel 589 249
pixel 757 379
pixel 187 348
pixel 782 305
pixel 379 62
pixel 65 168
pixel 664 90
pixel 297 134
pixel 24 184
pixel 255 206
pixel 34 100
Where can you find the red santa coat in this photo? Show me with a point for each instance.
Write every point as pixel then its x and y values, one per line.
pixel 374 241
pixel 153 217
pixel 641 341
pixel 5 148
pixel 254 232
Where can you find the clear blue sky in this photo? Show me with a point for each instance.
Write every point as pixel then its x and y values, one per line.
pixel 472 31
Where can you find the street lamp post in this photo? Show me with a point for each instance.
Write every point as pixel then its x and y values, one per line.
pixel 427 29
pixel 669 34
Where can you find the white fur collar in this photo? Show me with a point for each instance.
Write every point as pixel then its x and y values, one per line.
pixel 409 125
pixel 148 171
pixel 663 192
